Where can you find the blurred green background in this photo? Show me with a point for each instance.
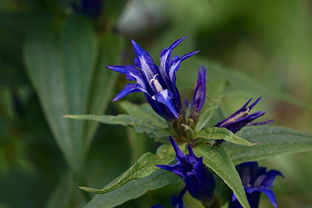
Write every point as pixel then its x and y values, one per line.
pixel 53 55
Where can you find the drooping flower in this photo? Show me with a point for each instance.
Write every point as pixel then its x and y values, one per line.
pixel 158 83
pixel 256 180
pixel 242 117
pixel 199 95
pixel 199 182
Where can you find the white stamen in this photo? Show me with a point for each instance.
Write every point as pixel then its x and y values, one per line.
pixel 156 84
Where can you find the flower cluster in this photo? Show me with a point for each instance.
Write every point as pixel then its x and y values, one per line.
pixel 158 84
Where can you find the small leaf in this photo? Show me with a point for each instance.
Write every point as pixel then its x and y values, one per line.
pixel 270 141
pixel 133 189
pixel 216 133
pixel 218 159
pixel 145 166
pixel 140 124
pixel 214 94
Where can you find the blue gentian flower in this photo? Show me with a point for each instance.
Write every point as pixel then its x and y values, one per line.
pixel 199 95
pixel 158 83
pixel 90 8
pixel 256 180
pixel 199 182
pixel 242 117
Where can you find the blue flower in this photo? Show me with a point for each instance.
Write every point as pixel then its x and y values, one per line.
pixel 256 180
pixel 199 95
pixel 158 83
pixel 199 182
pixel 242 117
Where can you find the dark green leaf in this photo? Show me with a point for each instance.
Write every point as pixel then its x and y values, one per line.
pixel 103 80
pixel 218 159
pixel 214 94
pixel 270 141
pixel 133 189
pixel 216 133
pixel 145 166
pixel 60 61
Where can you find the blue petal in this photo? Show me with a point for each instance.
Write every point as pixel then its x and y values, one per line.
pixel 145 61
pixel 199 91
pixel 166 55
pixel 129 71
pixel 177 201
pixel 176 148
pixel 270 177
pixel 270 194
pixel 129 88
pixel 164 97
pixel 175 65
pixel 176 169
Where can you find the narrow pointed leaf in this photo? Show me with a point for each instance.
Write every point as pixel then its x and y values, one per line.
pixel 133 189
pixel 218 159
pixel 145 166
pixel 60 61
pixel 103 80
pixel 140 124
pixel 270 141
pixel 214 96
pixel 216 133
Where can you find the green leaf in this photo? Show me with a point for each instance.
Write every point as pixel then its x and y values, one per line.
pixel 133 189
pixel 103 80
pixel 60 61
pixel 218 159
pixel 140 124
pixel 145 166
pixel 214 94
pixel 143 111
pixel 63 193
pixel 216 133
pixel 270 141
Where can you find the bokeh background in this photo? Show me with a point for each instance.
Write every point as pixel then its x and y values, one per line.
pixel 53 55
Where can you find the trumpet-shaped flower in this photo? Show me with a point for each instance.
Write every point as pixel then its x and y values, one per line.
pixel 199 182
pixel 158 83
pixel 256 180
pixel 242 117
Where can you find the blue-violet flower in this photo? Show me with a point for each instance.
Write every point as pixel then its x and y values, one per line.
pixel 157 83
pixel 255 180
pixel 199 95
pixel 199 182
pixel 242 118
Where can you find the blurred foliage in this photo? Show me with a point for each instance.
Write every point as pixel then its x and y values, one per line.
pixel 52 60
